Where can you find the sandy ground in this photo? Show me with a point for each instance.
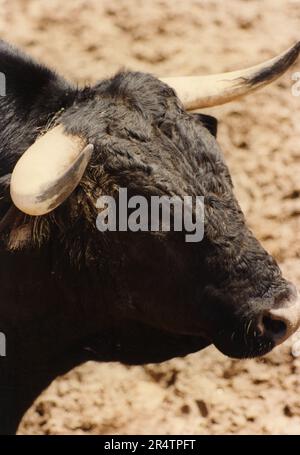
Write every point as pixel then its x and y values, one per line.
pixel 204 393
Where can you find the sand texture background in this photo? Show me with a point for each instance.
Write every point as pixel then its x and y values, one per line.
pixel 86 40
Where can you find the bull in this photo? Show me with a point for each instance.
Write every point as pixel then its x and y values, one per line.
pixel 70 293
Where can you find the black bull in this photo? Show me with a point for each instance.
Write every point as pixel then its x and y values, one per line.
pixel 70 293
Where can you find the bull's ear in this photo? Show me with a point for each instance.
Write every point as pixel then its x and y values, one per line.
pixel 211 123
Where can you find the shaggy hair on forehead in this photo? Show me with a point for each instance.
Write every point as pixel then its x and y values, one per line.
pixel 144 141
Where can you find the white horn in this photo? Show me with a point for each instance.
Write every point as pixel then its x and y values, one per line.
pixel 48 172
pixel 206 91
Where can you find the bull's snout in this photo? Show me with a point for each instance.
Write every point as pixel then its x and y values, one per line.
pixel 281 321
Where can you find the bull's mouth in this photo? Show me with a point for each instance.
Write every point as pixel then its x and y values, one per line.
pixel 260 326
pixel 239 346
pixel 257 338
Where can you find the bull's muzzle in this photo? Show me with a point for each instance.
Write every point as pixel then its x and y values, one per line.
pixel 281 321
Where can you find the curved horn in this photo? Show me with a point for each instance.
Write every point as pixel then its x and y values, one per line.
pixel 48 172
pixel 206 91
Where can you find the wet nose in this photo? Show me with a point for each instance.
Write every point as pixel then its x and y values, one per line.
pixel 281 321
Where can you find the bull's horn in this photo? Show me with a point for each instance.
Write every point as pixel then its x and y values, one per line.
pixel 49 171
pixel 205 91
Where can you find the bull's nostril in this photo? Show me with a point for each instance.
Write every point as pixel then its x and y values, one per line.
pixel 279 323
pixel 275 327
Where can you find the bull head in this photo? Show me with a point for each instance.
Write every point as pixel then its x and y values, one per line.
pixel 52 167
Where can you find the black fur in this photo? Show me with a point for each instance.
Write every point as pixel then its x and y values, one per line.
pixel 70 293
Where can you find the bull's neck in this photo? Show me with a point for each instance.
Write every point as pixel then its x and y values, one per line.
pixel 42 317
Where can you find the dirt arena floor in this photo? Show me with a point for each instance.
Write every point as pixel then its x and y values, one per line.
pixel 86 40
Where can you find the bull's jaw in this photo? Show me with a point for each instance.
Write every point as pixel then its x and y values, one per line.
pixel 157 345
